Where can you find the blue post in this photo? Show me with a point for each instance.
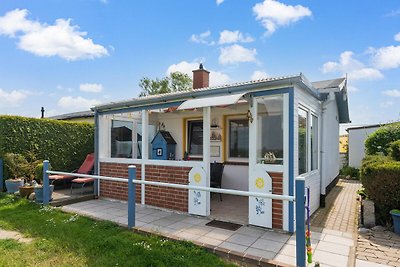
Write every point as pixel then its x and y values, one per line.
pixel 300 223
pixel 131 196
pixel 1 175
pixel 46 188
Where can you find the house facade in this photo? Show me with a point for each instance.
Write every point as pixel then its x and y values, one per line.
pixel 266 132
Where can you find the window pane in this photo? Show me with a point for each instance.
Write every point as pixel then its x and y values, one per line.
pixel 121 139
pixel 195 137
pixel 239 138
pixel 270 130
pixel 314 143
pixel 302 141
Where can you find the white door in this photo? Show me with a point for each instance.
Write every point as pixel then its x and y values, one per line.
pixel 260 209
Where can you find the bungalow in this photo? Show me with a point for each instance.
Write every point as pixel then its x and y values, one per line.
pixel 265 132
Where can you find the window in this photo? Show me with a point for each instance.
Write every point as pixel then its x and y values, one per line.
pixel 314 142
pixel 195 138
pixel 302 143
pixel 121 139
pixel 239 138
pixel 270 130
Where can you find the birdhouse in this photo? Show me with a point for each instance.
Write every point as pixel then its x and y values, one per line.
pixel 163 146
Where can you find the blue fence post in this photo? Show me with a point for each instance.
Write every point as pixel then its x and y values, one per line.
pixel 46 188
pixel 131 196
pixel 300 223
pixel 1 176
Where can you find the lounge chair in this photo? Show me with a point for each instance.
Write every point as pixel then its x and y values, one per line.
pixel 85 168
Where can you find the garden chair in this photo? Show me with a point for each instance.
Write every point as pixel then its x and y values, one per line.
pixel 85 168
pixel 216 171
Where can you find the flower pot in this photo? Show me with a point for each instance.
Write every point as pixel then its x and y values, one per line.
pixel 39 193
pixel 396 221
pixel 25 191
pixel 13 185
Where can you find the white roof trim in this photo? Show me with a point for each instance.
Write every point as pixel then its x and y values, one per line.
pixel 211 101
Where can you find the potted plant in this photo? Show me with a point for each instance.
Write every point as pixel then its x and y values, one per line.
pixel 16 167
pixel 30 182
pixel 396 220
pixel 39 187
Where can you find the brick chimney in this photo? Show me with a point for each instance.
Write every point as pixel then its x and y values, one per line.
pixel 201 78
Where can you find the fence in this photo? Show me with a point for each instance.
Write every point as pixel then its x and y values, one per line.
pixel 299 199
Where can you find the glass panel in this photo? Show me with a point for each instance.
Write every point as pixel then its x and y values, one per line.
pixel 302 141
pixel 195 138
pixel 270 130
pixel 239 138
pixel 121 139
pixel 314 142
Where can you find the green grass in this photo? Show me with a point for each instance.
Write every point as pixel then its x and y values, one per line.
pixel 62 239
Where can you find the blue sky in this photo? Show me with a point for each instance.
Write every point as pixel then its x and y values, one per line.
pixel 69 55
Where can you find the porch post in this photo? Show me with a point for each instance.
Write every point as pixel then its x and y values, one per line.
pixel 131 196
pixel 96 184
pixel 145 151
pixel 300 223
pixel 206 151
pixel 45 182
pixel 1 176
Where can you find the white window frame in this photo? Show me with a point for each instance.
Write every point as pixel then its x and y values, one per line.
pixel 135 123
pixel 227 139
pixel 187 137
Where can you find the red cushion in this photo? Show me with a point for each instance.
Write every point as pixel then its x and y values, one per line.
pixel 83 180
pixel 60 177
pixel 87 165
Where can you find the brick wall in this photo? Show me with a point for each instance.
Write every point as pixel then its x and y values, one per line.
pixel 169 198
pixel 277 205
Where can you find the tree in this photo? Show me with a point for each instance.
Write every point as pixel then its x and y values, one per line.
pixel 175 82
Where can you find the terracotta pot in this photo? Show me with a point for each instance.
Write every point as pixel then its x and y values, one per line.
pixel 25 191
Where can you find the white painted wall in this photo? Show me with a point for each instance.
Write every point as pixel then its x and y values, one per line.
pixel 357 139
pixel 236 177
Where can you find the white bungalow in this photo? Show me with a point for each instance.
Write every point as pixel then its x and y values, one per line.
pixel 266 132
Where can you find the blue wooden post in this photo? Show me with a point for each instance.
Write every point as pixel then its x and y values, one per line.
pixel 46 188
pixel 131 196
pixel 1 176
pixel 300 223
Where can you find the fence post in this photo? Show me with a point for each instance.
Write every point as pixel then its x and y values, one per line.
pixel 300 223
pixel 46 188
pixel 1 176
pixel 131 196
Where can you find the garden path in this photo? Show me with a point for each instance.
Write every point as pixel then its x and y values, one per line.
pixel 5 234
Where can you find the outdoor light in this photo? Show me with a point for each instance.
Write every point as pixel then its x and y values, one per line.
pixel 249 116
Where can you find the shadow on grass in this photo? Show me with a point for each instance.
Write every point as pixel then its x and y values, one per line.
pixel 67 239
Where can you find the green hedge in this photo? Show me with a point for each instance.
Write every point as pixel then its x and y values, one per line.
pixel 64 144
pixel 380 140
pixel 380 177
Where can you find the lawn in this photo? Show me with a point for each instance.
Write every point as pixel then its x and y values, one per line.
pixel 62 239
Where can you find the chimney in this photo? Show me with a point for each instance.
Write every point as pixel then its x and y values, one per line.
pixel 42 110
pixel 201 78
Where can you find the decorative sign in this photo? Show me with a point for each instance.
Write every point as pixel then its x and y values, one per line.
pixel 197 178
pixel 260 183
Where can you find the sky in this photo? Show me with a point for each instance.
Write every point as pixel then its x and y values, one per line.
pixel 70 55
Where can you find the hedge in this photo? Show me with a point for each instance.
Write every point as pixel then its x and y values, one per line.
pixel 64 144
pixel 380 177
pixel 380 140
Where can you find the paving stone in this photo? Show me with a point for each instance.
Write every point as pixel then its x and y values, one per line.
pixel 269 245
pixel 241 239
pixel 260 252
pixel 233 246
pixel 334 248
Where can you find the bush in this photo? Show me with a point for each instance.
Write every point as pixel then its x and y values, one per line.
pixel 380 140
pixel 350 171
pixel 395 150
pixel 380 177
pixel 64 144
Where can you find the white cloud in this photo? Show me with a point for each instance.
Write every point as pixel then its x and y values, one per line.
pixel 386 104
pixel 258 75
pixel 13 98
pixel 202 38
pixel 227 37
pixel 91 87
pixel 219 2
pixel 216 77
pixel 76 103
pixel 352 89
pixel 387 57
pixel 352 67
pixel 274 14
pixel 61 39
pixel 397 37
pixel 236 54
pixel 392 93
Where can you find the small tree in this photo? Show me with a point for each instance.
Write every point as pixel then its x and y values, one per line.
pixel 175 82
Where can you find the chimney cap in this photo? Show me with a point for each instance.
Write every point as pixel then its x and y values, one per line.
pixel 201 66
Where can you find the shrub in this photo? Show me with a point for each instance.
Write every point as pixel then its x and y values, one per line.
pixel 16 166
pixel 380 140
pixel 350 171
pixel 64 144
pixel 380 177
pixel 395 150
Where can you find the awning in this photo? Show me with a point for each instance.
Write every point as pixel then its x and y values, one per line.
pixel 212 101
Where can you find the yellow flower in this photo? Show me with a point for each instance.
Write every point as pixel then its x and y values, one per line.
pixel 260 183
